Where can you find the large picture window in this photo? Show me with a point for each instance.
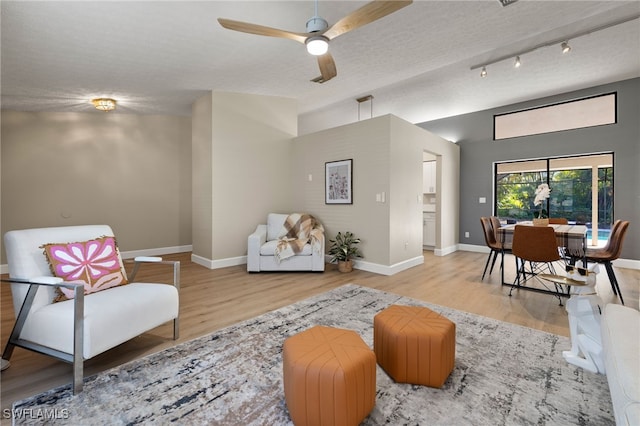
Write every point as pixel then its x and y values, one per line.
pixel 581 190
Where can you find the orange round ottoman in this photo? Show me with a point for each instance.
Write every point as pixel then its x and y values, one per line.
pixel 329 377
pixel 414 345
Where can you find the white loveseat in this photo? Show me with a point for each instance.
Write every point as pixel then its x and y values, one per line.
pixel 620 330
pixel 262 243
pixel 78 329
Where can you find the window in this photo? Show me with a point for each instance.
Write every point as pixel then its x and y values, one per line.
pixel 581 190
pixel 594 111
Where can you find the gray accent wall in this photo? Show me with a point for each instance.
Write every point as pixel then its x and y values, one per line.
pixel 478 151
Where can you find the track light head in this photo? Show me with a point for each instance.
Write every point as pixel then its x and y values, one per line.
pixel 565 47
pixel 517 63
pixel 483 73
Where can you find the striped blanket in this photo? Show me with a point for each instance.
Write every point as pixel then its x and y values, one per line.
pixel 299 229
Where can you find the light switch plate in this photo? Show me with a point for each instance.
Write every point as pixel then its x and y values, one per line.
pixel 482 200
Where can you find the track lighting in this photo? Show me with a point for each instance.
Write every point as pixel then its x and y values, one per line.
pixel 563 42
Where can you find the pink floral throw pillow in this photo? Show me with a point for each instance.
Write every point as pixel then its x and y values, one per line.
pixel 94 263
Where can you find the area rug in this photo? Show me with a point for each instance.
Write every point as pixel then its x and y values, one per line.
pixel 504 375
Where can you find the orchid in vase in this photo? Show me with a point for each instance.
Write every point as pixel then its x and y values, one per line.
pixel 542 193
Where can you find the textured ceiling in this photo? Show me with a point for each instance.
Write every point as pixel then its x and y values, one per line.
pixel 158 57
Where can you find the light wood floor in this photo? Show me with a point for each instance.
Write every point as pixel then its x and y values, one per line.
pixel 212 299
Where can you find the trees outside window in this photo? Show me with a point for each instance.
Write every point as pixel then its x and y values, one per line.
pixel 572 183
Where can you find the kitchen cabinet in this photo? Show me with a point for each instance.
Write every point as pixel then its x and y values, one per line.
pixel 428 229
pixel 429 177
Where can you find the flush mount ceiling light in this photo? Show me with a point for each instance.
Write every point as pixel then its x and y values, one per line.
pixel 517 63
pixel 104 104
pixel 483 73
pixel 565 47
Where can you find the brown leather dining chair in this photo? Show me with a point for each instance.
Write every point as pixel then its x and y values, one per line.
pixel 537 246
pixel 610 252
pixel 489 227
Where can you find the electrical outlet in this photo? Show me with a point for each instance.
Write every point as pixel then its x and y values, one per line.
pixel 466 234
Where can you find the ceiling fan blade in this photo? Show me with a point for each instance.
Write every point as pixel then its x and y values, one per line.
pixel 246 27
pixel 327 68
pixel 366 14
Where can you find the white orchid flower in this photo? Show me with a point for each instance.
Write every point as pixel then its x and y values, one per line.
pixel 542 193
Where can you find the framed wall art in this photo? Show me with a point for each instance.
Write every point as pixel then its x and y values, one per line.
pixel 338 182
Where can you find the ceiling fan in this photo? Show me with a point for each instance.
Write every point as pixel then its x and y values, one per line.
pixel 319 33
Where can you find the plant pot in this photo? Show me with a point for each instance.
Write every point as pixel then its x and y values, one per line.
pixel 540 222
pixel 345 265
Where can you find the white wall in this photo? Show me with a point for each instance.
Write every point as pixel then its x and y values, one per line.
pixel 367 144
pixel 447 192
pixel 250 145
pixel 202 172
pixel 132 172
pixel 405 194
pixel 387 158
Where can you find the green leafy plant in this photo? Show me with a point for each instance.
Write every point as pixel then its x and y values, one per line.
pixel 343 247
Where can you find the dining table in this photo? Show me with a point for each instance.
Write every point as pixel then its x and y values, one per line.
pixel 572 239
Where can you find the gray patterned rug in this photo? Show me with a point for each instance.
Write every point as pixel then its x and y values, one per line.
pixel 504 375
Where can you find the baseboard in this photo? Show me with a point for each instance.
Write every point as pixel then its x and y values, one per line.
pixel 156 251
pixel 388 270
pixel 218 263
pixel 474 248
pixel 358 264
pixel 4 269
pixel 619 263
pixel 627 263
pixel 445 250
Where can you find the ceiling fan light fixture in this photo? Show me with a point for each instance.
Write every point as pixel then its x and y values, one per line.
pixel 483 73
pixel 565 47
pixel 317 45
pixel 104 104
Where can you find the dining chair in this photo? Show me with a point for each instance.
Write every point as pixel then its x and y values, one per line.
pixel 610 252
pixel 558 221
pixel 537 246
pixel 505 247
pixel 489 227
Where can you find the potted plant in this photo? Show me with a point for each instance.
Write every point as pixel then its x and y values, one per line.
pixel 343 249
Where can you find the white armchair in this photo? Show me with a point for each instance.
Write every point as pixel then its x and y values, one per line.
pixel 84 326
pixel 269 248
